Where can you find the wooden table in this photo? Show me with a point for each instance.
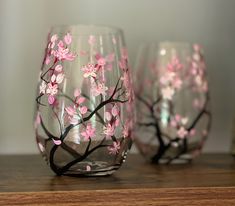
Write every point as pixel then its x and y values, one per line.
pixel 209 180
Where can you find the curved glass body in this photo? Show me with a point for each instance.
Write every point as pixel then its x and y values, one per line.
pixel 172 101
pixel 83 121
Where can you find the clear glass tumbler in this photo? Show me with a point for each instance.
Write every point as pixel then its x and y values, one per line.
pixel 172 102
pixel 83 118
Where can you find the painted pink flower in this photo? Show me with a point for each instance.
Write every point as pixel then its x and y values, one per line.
pixel 177 83
pixel 57 141
pixel 126 80
pixel 58 68
pixel 70 110
pixel 184 120
pixel 168 93
pixel 68 38
pixel 192 132
pixel 89 132
pixel 88 168
pixel 42 88
pixel 63 53
pixel 115 110
pixel 101 61
pixel 178 118
pixel 182 132
pixel 83 110
pixel 91 40
pixel 54 38
pixel 89 70
pixel 52 89
pixel 51 99
pixel 167 78
pixel 109 130
pixel 114 149
pixel 98 89
pixel 48 60
pixel 57 78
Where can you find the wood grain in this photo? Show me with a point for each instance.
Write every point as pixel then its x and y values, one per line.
pixel 209 180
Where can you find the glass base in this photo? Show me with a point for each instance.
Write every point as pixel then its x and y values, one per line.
pixel 98 169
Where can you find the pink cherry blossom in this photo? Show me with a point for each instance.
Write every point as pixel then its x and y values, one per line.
pixel 80 100
pixel 59 78
pixel 70 110
pixel 42 88
pixel 83 110
pixel 52 89
pixel 114 149
pixel 109 130
pixel 57 142
pixel 182 132
pixel 54 38
pixel 126 79
pixel 89 70
pixel 48 60
pixel 115 110
pixel 178 118
pixel 68 38
pixel 88 168
pixel 192 132
pixel 167 78
pixel 177 83
pixel 98 89
pixel 91 40
pixel 89 132
pixel 63 53
pixel 101 61
pixel 58 68
pixel 184 120
pixel 117 121
pixel 51 99
pixel 168 93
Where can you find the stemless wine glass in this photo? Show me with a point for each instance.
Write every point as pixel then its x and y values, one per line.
pixel 83 117
pixel 172 101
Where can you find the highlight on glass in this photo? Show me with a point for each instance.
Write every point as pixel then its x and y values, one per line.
pixel 83 118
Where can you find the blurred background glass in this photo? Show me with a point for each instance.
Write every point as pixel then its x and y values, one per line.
pixel 24 24
pixel 173 116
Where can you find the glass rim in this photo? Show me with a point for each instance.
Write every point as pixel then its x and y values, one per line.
pixel 86 29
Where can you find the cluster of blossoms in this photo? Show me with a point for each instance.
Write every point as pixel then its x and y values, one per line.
pixel 179 123
pixel 198 70
pixel 171 80
pixel 57 52
pixel 76 111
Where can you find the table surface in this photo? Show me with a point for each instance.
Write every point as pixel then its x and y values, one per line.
pixel 209 179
